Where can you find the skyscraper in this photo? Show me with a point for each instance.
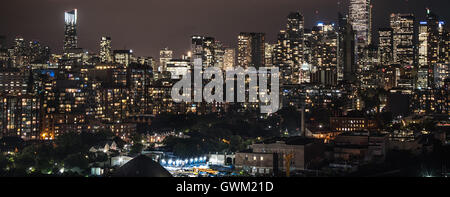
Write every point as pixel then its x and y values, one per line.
pixel 229 59
pixel 70 35
pixel 165 55
pixel 346 68
pixel 251 50
pixel 105 50
pixel 204 48
pixel 269 54
pixel 360 18
pixel 290 47
pixel 434 37
pixel 403 34
pixel 325 51
pixel 385 45
pixel 432 51
pixel 123 57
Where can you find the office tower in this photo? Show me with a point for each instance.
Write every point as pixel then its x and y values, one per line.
pixel 204 48
pixel 385 45
pixel 430 51
pixel 165 55
pixel 218 54
pixel 346 69
pixel 446 47
pixel 149 61
pixel 433 37
pixel 70 35
pixel 307 46
pixel 444 44
pixel 105 50
pixel 360 18
pixel 403 34
pixel 123 57
pixel 269 54
pixel 251 50
pixel 369 36
pixel 288 53
pixel 324 51
pixel 208 51
pixel 229 59
pixel 19 52
pixel 422 73
pixel 294 30
pixel 19 46
pixel 178 67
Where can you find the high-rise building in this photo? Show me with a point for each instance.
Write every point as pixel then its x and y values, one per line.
pixel 105 50
pixel 288 53
pixel 346 68
pixel 433 37
pixel 165 55
pixel 204 48
pixel 385 45
pixel 403 34
pixel 431 50
pixel 70 35
pixel 325 51
pixel 251 50
pixel 123 57
pixel 230 58
pixel 218 54
pixel 269 54
pixel 360 18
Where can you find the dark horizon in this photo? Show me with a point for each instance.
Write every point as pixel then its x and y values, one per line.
pixel 148 26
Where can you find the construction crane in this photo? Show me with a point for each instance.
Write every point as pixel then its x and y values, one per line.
pixel 287 159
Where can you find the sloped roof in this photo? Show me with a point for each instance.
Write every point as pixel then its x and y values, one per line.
pixel 142 166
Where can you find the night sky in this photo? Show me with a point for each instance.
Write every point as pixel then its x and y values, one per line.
pixel 146 26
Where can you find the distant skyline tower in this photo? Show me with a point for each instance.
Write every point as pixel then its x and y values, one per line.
pixel 403 34
pixel 165 55
pixel 269 52
pixel 346 66
pixel 106 55
pixel 385 45
pixel 229 59
pixel 360 17
pixel 204 48
pixel 325 54
pixel 288 52
pixel 434 37
pixel 70 34
pixel 430 50
pixel 251 50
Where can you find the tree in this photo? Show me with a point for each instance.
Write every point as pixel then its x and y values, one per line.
pixel 236 143
pixel 136 148
pixel 136 138
pixel 76 160
pixel 3 162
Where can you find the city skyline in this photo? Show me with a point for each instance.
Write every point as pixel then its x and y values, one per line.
pixel 360 90
pixel 147 39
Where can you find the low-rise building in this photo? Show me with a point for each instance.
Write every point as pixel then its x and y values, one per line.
pixel 360 146
pixel 271 157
